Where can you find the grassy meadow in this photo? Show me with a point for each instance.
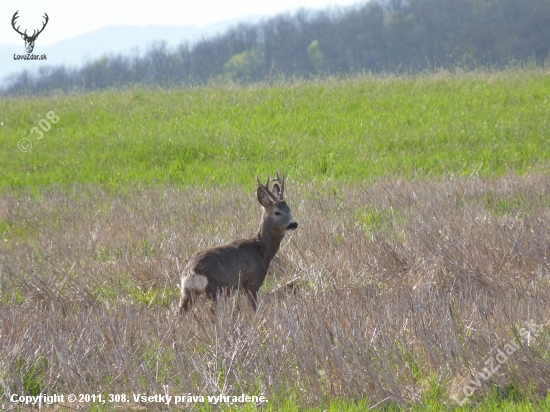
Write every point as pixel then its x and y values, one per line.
pixel 346 130
pixel 419 276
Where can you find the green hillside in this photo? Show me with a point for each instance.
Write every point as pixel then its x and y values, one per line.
pixel 345 130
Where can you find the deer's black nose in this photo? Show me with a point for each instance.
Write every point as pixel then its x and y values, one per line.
pixel 292 226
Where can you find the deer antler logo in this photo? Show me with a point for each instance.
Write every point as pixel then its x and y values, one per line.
pixel 29 40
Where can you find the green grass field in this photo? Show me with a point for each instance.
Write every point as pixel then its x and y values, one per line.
pixel 423 205
pixel 346 130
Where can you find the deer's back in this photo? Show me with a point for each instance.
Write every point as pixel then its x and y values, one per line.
pixel 237 264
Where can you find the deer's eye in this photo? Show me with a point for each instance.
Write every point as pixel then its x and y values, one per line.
pixel 277 213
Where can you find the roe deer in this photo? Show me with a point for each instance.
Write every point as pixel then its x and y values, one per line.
pixel 242 264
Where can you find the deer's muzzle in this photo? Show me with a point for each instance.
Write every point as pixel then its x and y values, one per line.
pixel 292 226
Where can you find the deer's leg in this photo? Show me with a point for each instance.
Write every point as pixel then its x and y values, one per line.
pixel 191 286
pixel 253 298
pixel 186 300
pixel 212 295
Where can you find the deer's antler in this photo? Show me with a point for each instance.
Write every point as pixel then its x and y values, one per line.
pixel 266 188
pixel 34 36
pixel 282 182
pixel 15 16
pixel 34 33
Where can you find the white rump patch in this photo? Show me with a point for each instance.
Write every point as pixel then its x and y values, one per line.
pixel 194 282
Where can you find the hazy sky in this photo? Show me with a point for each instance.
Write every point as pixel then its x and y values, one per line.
pixel 70 18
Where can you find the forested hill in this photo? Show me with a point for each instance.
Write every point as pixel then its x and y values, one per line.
pixel 377 36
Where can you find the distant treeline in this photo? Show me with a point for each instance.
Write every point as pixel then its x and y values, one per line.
pixel 378 36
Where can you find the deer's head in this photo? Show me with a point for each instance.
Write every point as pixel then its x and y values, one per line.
pixel 276 211
pixel 29 40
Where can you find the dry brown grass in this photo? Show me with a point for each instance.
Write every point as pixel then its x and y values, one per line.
pixel 398 288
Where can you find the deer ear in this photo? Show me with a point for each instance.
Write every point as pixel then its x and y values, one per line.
pixel 263 197
pixel 276 190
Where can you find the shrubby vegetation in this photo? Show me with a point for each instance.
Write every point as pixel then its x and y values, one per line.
pixel 402 292
pixel 379 36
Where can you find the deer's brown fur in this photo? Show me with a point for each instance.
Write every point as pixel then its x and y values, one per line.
pixel 242 264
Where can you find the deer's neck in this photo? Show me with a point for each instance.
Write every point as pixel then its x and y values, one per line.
pixel 269 240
